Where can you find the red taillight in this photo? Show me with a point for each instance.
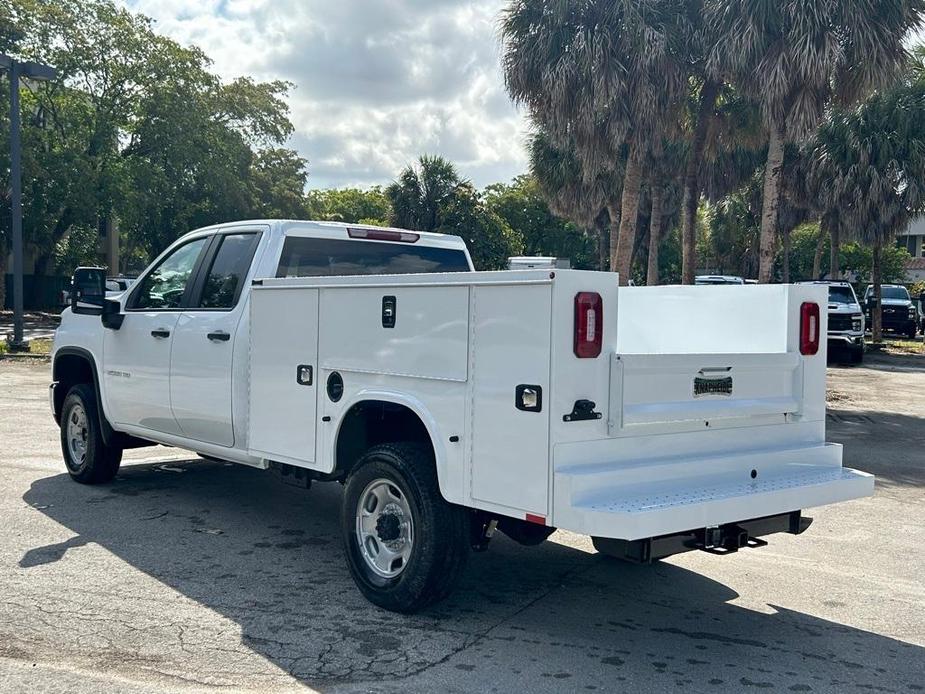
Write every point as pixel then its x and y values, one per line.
pixel 809 328
pixel 589 324
pixel 383 235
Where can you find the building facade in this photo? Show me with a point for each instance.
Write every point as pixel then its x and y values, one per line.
pixel 913 240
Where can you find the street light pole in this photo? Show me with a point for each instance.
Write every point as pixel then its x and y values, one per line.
pixel 16 206
pixel 17 70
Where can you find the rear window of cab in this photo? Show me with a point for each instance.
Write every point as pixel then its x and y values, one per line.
pixel 305 256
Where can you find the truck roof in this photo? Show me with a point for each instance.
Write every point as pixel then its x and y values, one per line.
pixel 325 229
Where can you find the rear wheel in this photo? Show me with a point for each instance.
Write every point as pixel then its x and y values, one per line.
pixel 405 545
pixel 89 460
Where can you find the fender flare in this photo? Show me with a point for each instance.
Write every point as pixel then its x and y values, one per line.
pixel 110 436
pixel 108 433
pixel 413 404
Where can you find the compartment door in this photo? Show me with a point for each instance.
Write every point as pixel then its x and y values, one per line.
pixel 510 446
pixel 283 402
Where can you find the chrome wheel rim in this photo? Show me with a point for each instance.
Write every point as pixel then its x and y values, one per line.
pixel 384 528
pixel 77 435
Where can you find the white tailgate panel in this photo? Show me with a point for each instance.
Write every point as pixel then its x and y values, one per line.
pixel 510 447
pixel 430 338
pixel 648 389
pixel 283 336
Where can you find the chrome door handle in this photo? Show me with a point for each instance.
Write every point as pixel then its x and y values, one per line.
pixel 219 336
pixel 160 333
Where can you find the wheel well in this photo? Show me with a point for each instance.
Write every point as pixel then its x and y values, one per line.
pixel 71 368
pixel 370 423
pixel 68 371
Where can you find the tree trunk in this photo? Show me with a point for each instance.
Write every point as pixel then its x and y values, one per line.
pixel 613 211
pixel 834 269
pixel 876 314
pixel 655 233
pixel 629 213
pixel 770 203
pixel 3 254
pixel 691 196
pixel 785 272
pixel 601 248
pixel 817 256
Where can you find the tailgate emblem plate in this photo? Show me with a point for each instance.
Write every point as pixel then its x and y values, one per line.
pixel 721 385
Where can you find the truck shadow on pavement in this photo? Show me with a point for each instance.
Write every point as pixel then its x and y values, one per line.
pixel 885 444
pixel 268 558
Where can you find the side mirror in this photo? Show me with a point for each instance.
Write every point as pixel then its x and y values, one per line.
pixel 112 315
pixel 88 290
pixel 871 303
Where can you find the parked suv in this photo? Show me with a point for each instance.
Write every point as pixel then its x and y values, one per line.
pixel 846 320
pixel 899 312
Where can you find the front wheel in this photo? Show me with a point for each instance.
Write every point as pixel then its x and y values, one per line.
pixel 405 545
pixel 89 460
pixel 912 331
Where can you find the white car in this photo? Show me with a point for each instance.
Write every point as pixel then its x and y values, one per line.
pixel 454 403
pixel 719 279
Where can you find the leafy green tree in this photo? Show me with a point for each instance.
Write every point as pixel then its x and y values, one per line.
pixel 369 206
pixel 490 239
pixel 279 177
pixel 136 126
pixel 522 206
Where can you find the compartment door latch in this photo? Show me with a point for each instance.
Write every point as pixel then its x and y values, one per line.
pixel 582 410
pixel 389 309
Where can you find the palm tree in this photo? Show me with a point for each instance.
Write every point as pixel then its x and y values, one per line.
pixel 421 191
pixel 588 203
pixel 794 57
pixel 874 157
pixel 599 75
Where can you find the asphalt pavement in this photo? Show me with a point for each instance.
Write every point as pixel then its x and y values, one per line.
pixel 190 575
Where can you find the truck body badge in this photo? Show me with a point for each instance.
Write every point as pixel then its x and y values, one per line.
pixel 712 386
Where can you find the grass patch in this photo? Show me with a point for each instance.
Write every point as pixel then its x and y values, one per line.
pixel 40 347
pixel 903 347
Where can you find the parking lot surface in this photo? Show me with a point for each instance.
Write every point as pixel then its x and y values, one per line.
pixel 190 575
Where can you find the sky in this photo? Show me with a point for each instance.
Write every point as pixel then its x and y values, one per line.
pixel 376 82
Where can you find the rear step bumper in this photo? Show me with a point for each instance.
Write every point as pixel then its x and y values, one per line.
pixel 635 502
pixel 722 539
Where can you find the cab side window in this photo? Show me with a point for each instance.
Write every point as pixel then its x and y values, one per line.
pixel 229 268
pixel 164 286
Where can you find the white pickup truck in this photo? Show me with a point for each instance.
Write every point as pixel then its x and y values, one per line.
pixel 453 403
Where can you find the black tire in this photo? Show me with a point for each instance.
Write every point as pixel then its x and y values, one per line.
pixel 440 531
pixel 912 331
pixel 857 355
pixel 100 462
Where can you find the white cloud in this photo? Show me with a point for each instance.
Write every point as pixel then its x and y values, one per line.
pixel 377 82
